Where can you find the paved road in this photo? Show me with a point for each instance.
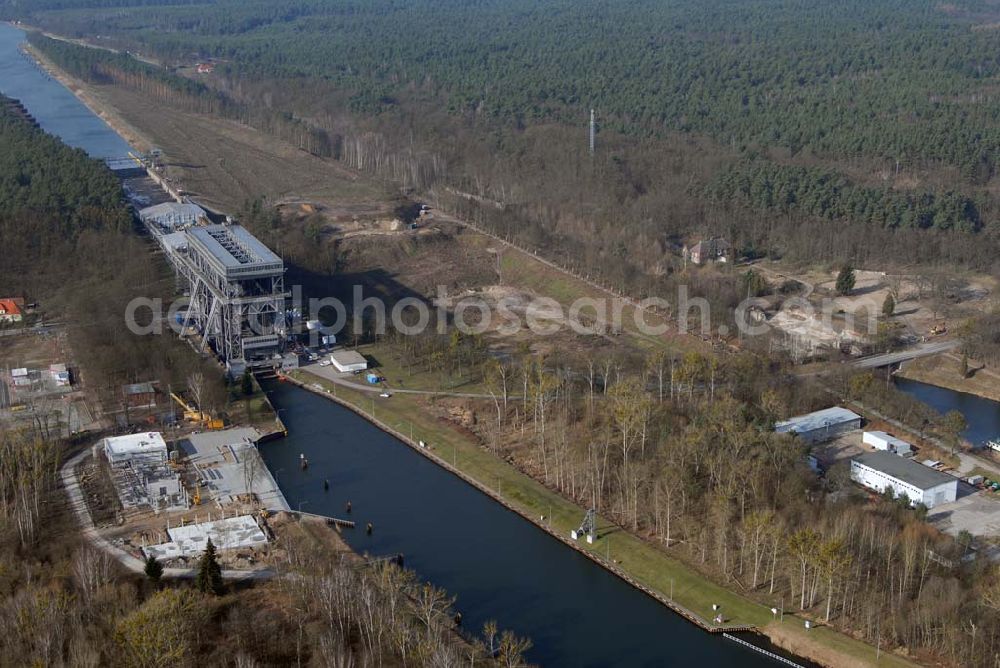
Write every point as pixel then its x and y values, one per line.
pixel 921 350
pixel 334 376
pixel 968 461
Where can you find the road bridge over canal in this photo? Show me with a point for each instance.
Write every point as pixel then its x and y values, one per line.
pixel 921 350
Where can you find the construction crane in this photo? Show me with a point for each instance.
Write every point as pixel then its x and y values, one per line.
pixel 192 414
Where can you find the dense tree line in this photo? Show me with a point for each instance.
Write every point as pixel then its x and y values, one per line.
pixel 891 78
pixel 823 193
pixel 101 66
pixel 683 453
pixel 616 215
pixel 40 175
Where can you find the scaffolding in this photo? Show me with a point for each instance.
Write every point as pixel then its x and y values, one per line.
pixel 149 485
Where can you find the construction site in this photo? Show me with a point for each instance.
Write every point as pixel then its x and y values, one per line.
pixel 811 320
pixel 148 495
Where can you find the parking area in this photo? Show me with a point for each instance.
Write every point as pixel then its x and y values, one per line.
pixel 841 448
pixel 975 511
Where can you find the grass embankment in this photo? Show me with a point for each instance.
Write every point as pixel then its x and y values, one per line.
pixel 400 374
pixel 642 561
pixel 222 163
pixel 945 370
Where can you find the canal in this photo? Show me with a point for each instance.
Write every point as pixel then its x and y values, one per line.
pixel 497 564
pixel 981 415
pixel 56 109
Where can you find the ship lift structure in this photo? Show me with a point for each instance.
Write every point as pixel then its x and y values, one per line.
pixel 237 292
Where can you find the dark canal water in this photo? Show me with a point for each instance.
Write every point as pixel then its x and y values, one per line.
pixel 497 564
pixel 982 415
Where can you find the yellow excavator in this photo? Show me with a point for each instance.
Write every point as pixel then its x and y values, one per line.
pixel 192 414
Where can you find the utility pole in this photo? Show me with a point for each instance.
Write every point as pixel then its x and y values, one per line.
pixel 593 132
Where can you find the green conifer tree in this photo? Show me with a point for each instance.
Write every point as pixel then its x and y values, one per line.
pixel 209 578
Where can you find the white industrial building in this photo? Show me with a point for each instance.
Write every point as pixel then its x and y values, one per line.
pixel 171 215
pixel 146 448
pixel 348 360
pixel 20 377
pixel 821 425
pixel 887 442
pixel 59 374
pixel 883 470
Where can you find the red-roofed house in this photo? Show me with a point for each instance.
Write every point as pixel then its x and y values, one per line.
pixel 709 250
pixel 10 310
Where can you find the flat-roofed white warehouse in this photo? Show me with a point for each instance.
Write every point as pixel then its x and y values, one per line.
pixel 145 447
pixel 881 470
pixel 821 425
pixel 883 441
pixel 348 360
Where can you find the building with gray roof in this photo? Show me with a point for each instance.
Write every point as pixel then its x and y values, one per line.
pixel 880 471
pixel 821 425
